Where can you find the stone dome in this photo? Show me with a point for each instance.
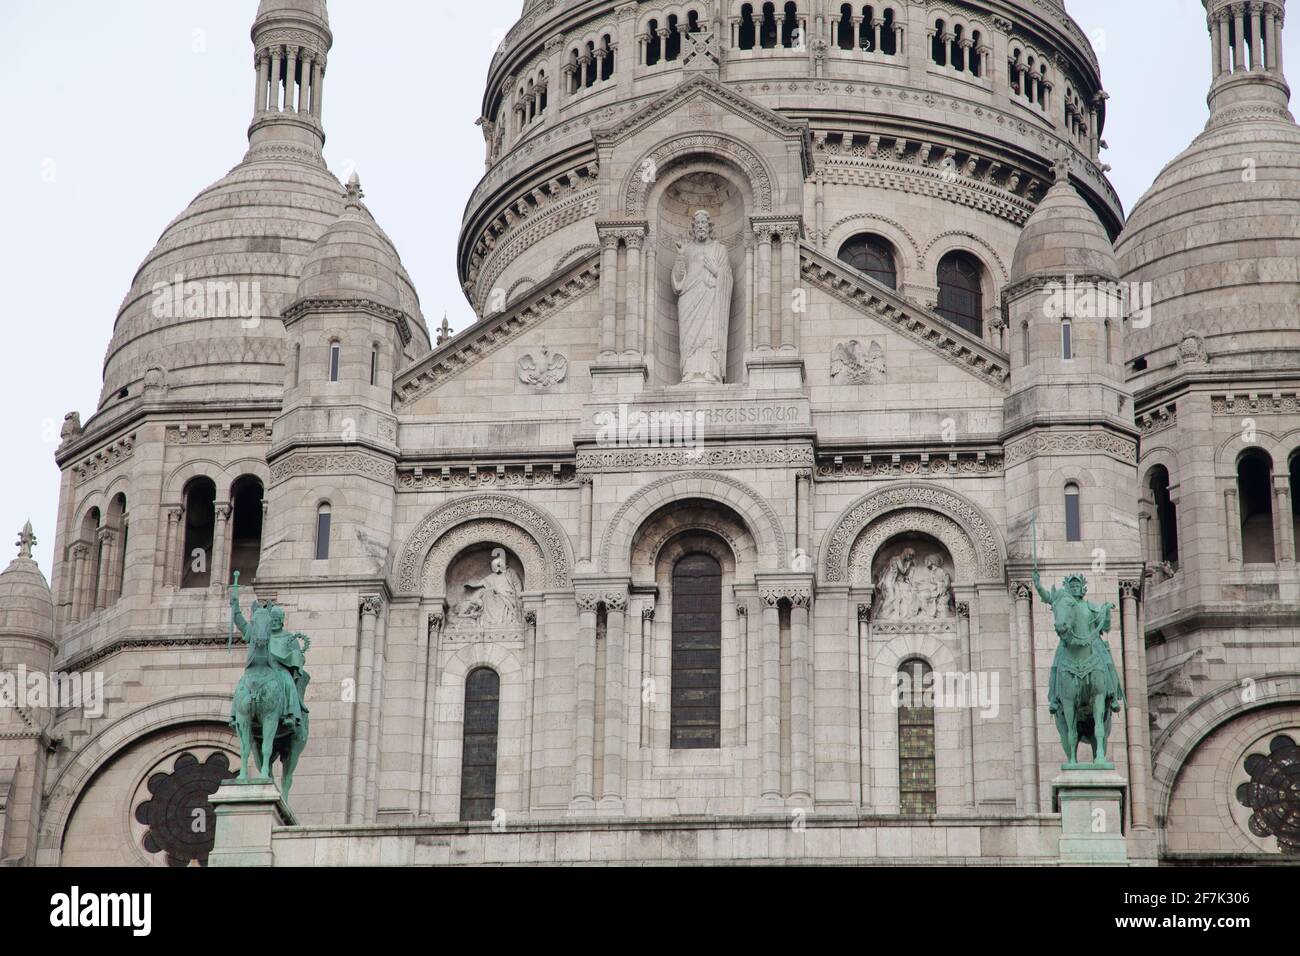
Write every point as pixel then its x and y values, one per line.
pixel 1217 235
pixel 1063 237
pixel 355 259
pixel 26 607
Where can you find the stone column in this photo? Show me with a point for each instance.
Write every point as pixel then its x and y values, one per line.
pixel 1284 530
pixel 263 77
pixel 819 186
pixel 789 265
pixel 276 60
pixel 318 92
pixel 803 512
pixel 1277 45
pixel 863 651
pixel 80 555
pixel 371 605
pixel 169 545
pixel 291 82
pixel 102 566
pixel 1028 702
pixel 1225 46
pixel 1234 525
pixel 1135 687
pixel 968 724
pixel 608 293
pixel 1238 18
pixel 1256 57
pixel 632 316
pixel 1216 50
pixel 584 743
pixel 315 85
pixel 177 570
pixel 585 484
pixel 615 643
pixel 764 286
pixel 800 699
pixel 219 563
pixel 771 698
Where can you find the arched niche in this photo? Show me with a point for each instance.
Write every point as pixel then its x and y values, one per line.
pixel 913 574
pixel 691 185
pixel 484 586
pixel 465 551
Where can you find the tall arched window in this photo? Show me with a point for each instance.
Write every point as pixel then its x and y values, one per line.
pixel 654 43
pixel 961 295
pixel 789 24
pixel 872 255
pixel 844 29
pixel 1166 516
pixel 746 36
pixel 336 355
pixel 1067 339
pixel 478 760
pixel 1073 513
pixel 1255 494
pixel 768 34
pixel 939 49
pixel 1024 343
pixel 673 45
pixel 697 653
pixel 200 522
pixel 116 559
pixel 246 528
pixel 1295 497
pixel 917 787
pixel 87 581
pixel 323 516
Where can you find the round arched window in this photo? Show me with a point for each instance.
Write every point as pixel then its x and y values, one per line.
pixel 872 255
pixel 961 295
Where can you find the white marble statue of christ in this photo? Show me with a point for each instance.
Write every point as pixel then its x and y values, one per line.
pixel 702 280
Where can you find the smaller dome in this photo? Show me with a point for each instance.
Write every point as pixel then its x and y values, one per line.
pixel 26 607
pixel 355 260
pixel 1063 237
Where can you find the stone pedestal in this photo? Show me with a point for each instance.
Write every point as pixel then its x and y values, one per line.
pixel 1091 804
pixel 618 377
pixel 775 369
pixel 246 814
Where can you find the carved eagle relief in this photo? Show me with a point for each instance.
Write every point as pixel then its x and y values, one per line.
pixel 544 372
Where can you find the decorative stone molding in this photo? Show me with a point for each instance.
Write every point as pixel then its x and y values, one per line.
pixel 636 189
pixel 1252 404
pixel 461 477
pixel 483 531
pixel 1157 419
pixel 225 433
pixel 614 599
pixel 940 463
pixel 761 520
pixel 537 523
pixel 896 313
pixel 333 463
pixel 986 549
pixel 340 306
pixel 853 363
pixel 466 349
pixel 107 458
pixel 372 604
pixel 1073 443
pixel 654 459
pixel 876 535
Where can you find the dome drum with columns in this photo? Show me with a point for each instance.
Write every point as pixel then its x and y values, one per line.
pixel 773 402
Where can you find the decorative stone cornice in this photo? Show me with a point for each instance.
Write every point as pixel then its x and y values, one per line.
pixel 939 463
pixel 223 433
pixel 335 306
pixel 105 459
pixel 333 463
pixel 461 476
pixel 1090 442
pixel 727 456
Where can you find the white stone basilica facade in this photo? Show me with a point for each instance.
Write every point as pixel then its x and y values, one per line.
pixel 711 540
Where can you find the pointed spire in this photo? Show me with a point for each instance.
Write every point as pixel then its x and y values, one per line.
pixel 26 541
pixel 1246 54
pixel 354 192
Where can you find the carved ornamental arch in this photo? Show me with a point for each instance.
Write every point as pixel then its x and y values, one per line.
pixel 960 525
pixel 539 539
pixel 735 153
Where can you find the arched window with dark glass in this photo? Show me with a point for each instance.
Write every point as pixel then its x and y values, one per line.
pixel 1067 339
pixel 873 256
pixel 336 354
pixel 768 34
pixel 246 528
pixel 976 60
pixel 789 24
pixel 1255 495
pixel 323 518
pixel 607 62
pixel 1166 516
pixel 939 49
pixel 696 722
pixel 888 38
pixel 478 761
pixel 673 45
pixel 1073 513
pixel 1295 496
pixel 961 294
pixel 867 36
pixel 200 522
pixel 917 786
pixel 746 37
pixel 844 29
pixel 654 43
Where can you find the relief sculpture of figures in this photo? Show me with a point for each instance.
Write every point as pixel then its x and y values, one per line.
pixel 495 600
pixel 909 593
pixel 702 279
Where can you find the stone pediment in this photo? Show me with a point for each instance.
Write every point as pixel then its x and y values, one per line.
pixel 700 89
pixel 491 333
pixel 904 317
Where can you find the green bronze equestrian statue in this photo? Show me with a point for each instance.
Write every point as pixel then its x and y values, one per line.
pixel 268 710
pixel 1084 689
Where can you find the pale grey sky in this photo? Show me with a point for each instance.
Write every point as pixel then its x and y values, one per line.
pixel 116 113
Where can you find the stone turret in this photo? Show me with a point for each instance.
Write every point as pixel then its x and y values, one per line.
pixel 26 648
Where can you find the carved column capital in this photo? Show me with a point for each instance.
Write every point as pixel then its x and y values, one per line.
pixel 963 609
pixel 371 604
pixel 530 618
pixel 864 613
pixel 1022 590
pixel 1130 590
